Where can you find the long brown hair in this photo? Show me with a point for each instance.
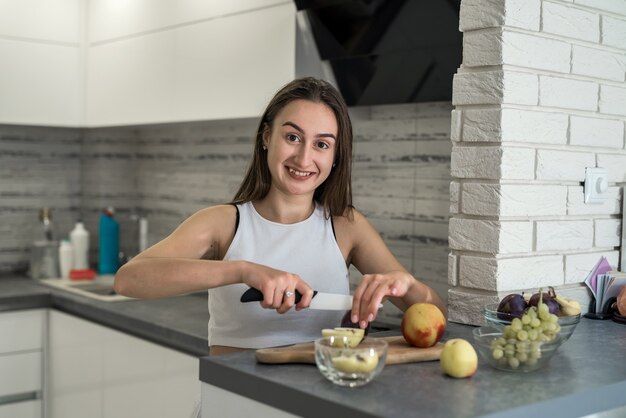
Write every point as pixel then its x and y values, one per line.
pixel 335 194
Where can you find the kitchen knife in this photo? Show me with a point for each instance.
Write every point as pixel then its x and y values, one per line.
pixel 327 301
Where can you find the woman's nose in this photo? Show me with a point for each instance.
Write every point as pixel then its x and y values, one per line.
pixel 303 156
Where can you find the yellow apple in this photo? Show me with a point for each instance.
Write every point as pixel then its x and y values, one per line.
pixel 458 358
pixel 423 325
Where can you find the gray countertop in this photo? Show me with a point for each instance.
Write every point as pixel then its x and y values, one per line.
pixel 587 375
pixel 178 322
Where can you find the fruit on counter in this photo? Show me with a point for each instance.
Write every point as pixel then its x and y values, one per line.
pixel 423 325
pixel 568 306
pixel 521 340
pixel 345 337
pixel 548 299
pixel 356 363
pixel 513 304
pixel 516 304
pixel 346 322
pixel 621 301
pixel 458 358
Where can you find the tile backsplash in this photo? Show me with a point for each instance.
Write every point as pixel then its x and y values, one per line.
pixel 401 177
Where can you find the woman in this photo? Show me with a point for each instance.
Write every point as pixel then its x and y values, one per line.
pixel 291 227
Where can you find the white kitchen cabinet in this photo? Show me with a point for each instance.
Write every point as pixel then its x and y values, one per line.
pixel 217 402
pixel 102 373
pixel 21 363
pixel 41 76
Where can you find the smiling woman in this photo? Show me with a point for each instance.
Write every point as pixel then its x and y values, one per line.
pixel 291 228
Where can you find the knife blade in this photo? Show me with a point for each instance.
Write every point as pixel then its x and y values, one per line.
pixel 321 300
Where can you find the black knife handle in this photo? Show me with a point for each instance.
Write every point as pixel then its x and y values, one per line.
pixel 254 295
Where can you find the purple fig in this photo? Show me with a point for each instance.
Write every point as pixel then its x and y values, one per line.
pixel 346 322
pixel 546 298
pixel 513 305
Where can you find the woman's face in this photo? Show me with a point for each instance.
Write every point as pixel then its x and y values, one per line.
pixel 301 146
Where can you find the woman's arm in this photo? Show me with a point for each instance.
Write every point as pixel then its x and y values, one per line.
pixel 383 275
pixel 184 262
pixel 190 260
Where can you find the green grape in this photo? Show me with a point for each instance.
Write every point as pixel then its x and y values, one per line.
pixel 498 353
pixel 508 332
pixel 516 324
pixel 535 323
pixel 521 356
pixel 522 335
pixel 542 307
pixel 513 362
pixel 526 319
pixel 544 315
pixel 533 334
pixel 553 318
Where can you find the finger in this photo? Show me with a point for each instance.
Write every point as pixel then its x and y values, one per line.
pixel 356 298
pixel 268 296
pixel 307 295
pixel 288 301
pixel 278 298
pixel 366 314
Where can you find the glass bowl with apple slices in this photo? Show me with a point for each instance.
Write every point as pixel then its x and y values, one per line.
pixel 499 320
pixel 512 355
pixel 347 365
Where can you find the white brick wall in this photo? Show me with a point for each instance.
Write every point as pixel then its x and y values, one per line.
pixel 613 100
pixel 571 22
pixel 596 132
pixel 613 32
pixel 540 96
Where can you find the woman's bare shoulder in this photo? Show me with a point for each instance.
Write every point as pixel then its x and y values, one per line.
pixel 351 218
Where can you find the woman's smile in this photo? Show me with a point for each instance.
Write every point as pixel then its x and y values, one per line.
pixel 299 175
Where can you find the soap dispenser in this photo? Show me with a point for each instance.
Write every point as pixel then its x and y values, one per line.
pixel 109 243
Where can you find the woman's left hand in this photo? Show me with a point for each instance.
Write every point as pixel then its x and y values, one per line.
pixel 373 290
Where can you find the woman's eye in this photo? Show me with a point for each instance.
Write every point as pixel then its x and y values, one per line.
pixel 293 138
pixel 323 145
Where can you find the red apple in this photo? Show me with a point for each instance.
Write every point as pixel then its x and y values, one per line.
pixel 423 325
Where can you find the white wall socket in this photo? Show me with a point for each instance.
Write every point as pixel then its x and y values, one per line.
pixel 596 184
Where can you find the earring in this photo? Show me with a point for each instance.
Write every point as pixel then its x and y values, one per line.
pixel 264 147
pixel 334 164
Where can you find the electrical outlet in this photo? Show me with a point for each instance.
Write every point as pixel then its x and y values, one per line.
pixel 596 185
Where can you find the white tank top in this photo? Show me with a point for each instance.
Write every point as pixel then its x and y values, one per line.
pixel 306 248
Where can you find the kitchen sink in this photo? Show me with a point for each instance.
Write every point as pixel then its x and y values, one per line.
pixel 101 288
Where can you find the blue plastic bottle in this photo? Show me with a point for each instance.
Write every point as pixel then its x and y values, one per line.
pixel 109 240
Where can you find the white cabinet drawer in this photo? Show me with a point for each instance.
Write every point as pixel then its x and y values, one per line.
pixel 21 330
pixel 28 409
pixel 20 373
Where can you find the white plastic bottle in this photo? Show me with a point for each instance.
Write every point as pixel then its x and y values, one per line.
pixel 66 258
pixel 80 244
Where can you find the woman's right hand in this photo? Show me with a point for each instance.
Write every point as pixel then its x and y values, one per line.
pixel 274 284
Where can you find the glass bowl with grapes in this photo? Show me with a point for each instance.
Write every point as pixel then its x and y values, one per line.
pixel 563 311
pixel 512 354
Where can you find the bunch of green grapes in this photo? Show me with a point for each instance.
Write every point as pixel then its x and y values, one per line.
pixel 521 340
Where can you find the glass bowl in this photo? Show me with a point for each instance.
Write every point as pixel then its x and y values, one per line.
pixel 347 366
pixel 499 320
pixel 513 356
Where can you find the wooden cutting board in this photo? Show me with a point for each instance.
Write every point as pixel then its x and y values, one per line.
pixel 399 351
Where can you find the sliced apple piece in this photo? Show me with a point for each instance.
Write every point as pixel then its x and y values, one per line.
pixel 356 363
pixel 344 337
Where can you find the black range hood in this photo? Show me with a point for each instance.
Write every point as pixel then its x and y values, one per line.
pixel 388 51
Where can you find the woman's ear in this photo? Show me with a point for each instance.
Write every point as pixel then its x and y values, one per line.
pixel 266 136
